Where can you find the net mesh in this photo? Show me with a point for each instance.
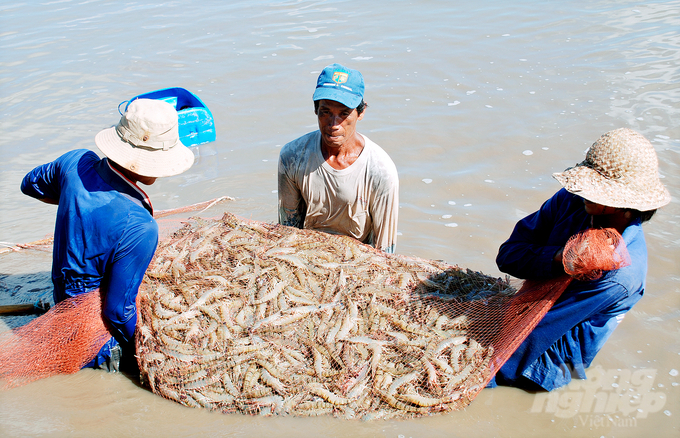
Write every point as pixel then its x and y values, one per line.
pixel 243 316
pixel 61 341
pixel 591 252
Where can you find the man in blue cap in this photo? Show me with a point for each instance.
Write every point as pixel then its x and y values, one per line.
pixel 335 179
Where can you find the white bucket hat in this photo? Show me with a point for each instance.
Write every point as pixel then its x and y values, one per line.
pixel 620 170
pixel 146 140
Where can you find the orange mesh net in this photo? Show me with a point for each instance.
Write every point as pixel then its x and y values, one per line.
pixel 243 316
pixel 71 334
pixel 61 341
pixel 588 254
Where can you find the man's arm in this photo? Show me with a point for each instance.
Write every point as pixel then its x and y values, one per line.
pixel 124 275
pixel 526 253
pixel 42 183
pixel 292 206
pixel 385 215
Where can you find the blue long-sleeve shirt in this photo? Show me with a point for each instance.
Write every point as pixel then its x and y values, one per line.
pixel 582 319
pixel 105 234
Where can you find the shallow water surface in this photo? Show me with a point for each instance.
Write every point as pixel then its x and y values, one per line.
pixel 476 103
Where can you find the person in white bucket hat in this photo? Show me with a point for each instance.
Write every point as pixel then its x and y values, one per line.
pixel 146 140
pixel 105 234
pixel 617 186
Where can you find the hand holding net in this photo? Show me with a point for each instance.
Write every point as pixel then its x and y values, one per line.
pixel 591 252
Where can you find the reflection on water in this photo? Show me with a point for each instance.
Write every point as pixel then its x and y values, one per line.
pixel 476 104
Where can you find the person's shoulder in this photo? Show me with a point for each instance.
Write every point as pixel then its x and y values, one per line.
pixel 303 140
pixel 379 155
pixel 634 238
pixel 564 197
pixel 632 276
pixel 297 149
pixel 563 203
pixel 565 194
pixel 76 155
pixel 375 148
pixel 75 159
pixel 140 220
pixel 140 230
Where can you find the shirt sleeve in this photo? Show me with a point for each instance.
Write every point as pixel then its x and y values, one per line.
pixel 125 274
pixel 44 181
pixel 526 253
pixel 292 206
pixel 384 214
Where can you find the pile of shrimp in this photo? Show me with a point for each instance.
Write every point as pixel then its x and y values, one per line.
pixel 244 316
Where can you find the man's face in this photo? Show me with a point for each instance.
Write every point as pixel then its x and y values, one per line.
pixel 337 123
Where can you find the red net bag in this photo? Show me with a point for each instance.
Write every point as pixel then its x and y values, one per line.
pixel 70 335
pixel 61 341
pixel 588 254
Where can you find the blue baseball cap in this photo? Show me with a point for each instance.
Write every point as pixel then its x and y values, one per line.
pixel 340 84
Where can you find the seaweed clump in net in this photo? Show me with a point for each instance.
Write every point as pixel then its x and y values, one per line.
pixel 244 316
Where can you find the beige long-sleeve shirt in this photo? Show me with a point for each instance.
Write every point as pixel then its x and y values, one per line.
pixel 361 201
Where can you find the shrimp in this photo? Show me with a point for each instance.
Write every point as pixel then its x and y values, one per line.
pixel 331 397
pixel 397 383
pixel 458 340
pixel 272 382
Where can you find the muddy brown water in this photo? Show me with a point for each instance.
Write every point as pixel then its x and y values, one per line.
pixel 477 104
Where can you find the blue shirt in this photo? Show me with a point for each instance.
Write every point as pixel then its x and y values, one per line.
pixel 105 234
pixel 569 336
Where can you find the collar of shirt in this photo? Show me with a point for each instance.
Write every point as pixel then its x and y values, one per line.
pixel 123 185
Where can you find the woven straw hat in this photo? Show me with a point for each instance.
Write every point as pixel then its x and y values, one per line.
pixel 146 140
pixel 620 170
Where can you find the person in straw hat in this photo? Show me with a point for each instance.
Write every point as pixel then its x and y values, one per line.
pixel 105 233
pixel 616 186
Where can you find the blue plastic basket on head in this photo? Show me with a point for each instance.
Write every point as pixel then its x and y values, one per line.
pixel 196 124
